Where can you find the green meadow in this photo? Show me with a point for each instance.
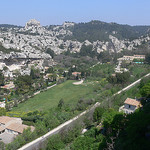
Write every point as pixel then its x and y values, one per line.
pixel 67 91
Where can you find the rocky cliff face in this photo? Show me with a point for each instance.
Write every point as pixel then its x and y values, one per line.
pixel 33 40
pixel 26 46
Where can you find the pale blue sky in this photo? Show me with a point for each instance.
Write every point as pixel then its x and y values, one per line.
pixel 18 12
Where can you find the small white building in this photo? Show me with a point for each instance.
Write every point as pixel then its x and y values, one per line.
pixel 2 104
pixel 131 58
pixel 130 105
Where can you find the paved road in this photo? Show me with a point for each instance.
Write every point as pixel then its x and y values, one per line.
pixel 34 145
pixel 38 92
pixel 95 65
pixel 131 85
pixel 78 83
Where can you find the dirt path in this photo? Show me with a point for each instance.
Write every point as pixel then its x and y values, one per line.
pixel 77 83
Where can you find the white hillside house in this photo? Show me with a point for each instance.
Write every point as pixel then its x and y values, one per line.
pixel 130 105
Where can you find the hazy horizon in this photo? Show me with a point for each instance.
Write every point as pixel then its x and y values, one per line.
pixel 48 12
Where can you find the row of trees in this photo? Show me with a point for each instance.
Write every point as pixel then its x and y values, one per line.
pixel 119 78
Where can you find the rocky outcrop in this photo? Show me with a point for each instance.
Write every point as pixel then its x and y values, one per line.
pixel 28 45
pixel 33 40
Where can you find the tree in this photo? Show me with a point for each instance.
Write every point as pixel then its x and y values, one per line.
pixel 87 51
pixel 55 143
pixel 23 84
pixel 98 113
pixel 104 57
pixel 40 128
pixel 83 143
pixel 61 103
pixel 145 90
pixel 122 77
pixel 147 58
pixel 82 74
pixel 7 106
pixel 50 52
pixel 27 134
pixel 35 73
pixel 112 79
pixel 1 79
pixel 15 103
pixel 61 46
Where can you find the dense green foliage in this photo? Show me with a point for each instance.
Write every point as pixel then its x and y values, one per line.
pixel 35 73
pixel 2 111
pixel 97 30
pixel 23 84
pixel 1 79
pixel 50 52
pixel 147 58
pixel 98 113
pixel 119 78
pixel 134 130
pixel 104 57
pixel 145 90
pixel 87 51
pixel 118 132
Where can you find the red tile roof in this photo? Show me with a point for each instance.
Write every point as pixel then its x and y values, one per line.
pixel 133 102
pixel 6 119
pixel 76 73
pixel 18 127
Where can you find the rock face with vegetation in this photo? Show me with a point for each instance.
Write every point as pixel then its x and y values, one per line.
pixel 33 40
pixel 36 42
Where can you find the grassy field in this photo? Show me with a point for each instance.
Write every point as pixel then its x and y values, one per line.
pixel 67 91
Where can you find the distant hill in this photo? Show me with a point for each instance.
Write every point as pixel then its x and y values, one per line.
pixel 88 38
pixel 97 30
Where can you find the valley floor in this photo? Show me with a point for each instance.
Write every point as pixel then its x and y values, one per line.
pixel 67 91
